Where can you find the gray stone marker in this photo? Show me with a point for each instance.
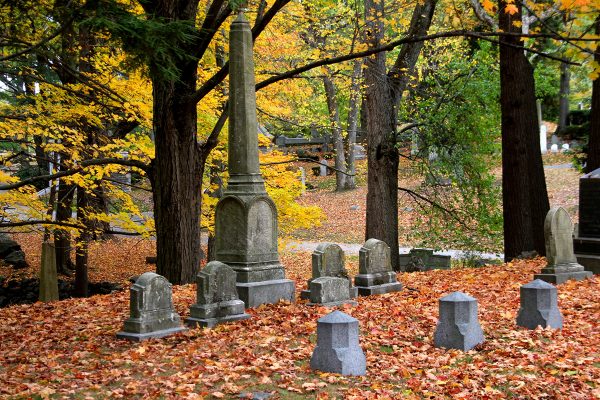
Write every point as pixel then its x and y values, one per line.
pixel 539 306
pixel 458 326
pixel 562 263
pixel 587 241
pixel 48 274
pixel 217 299
pixel 151 309
pixel 423 260
pixel 375 275
pixel 246 217
pixel 338 350
pixel 330 291
pixel 329 260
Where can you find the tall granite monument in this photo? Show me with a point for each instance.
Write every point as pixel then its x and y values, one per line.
pixel 246 217
pixel 587 239
pixel 562 264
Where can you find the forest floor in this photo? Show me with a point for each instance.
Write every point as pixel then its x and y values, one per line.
pixel 68 349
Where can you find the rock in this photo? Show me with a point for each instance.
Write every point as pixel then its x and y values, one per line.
pixel 16 259
pixel 7 246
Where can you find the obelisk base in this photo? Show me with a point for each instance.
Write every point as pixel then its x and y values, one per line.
pixel 266 292
pixel 559 278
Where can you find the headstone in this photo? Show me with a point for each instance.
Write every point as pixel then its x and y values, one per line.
pixel 303 179
pixel 458 326
pixel 48 274
pixel 423 260
pixel 217 300
pixel 565 147
pixel 151 310
pixel 539 306
pixel 562 264
pixel 375 275
pixel 544 138
pixel 554 139
pixel 328 260
pixel 246 217
pixel 359 152
pixel 554 148
pixel 338 350
pixel 323 167
pixel 587 236
pixel 329 291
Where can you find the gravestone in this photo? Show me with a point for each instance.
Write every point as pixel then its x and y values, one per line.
pixel 303 179
pixel 360 153
pixel 246 217
pixel 458 326
pixel 539 306
pixel 329 259
pixel 338 350
pixel 48 274
pixel 544 138
pixel 217 300
pixel 554 148
pixel 375 275
pixel 151 309
pixel 323 167
pixel 329 291
pixel 562 264
pixel 587 238
pixel 423 260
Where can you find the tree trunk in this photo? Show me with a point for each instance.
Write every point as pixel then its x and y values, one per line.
pixel 336 129
pixel 383 95
pixel 563 100
pixel 353 124
pixel 382 155
pixel 176 179
pixel 525 200
pixel 62 238
pixel 82 245
pixel 593 159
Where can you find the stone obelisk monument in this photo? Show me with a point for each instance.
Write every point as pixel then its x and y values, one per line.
pixel 246 217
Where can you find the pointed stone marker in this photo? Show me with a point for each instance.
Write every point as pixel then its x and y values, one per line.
pixel 151 310
pixel 246 217
pixel 562 263
pixel 338 350
pixel 48 274
pixel 217 299
pixel 458 326
pixel 375 275
pixel 539 306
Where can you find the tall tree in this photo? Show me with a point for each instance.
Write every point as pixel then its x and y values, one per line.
pixel 593 159
pixel 524 195
pixel 382 95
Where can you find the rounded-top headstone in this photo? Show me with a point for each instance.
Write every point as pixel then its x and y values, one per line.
pixel 374 256
pixel 328 259
pixel 558 230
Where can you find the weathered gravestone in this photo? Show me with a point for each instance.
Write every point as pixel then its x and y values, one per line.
pixel 375 275
pixel 423 260
pixel 48 274
pixel 539 306
pixel 151 309
pixel 587 239
pixel 217 299
pixel 246 217
pixel 338 349
pixel 562 264
pixel 458 326
pixel 330 291
pixel 329 260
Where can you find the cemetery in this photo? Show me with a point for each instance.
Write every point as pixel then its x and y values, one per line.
pixel 426 280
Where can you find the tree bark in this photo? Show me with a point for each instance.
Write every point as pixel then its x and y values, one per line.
pixel 524 195
pixel 593 159
pixel 82 245
pixel 383 95
pixel 353 123
pixel 336 129
pixel 62 238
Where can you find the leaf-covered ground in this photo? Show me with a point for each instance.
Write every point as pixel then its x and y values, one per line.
pixel 68 349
